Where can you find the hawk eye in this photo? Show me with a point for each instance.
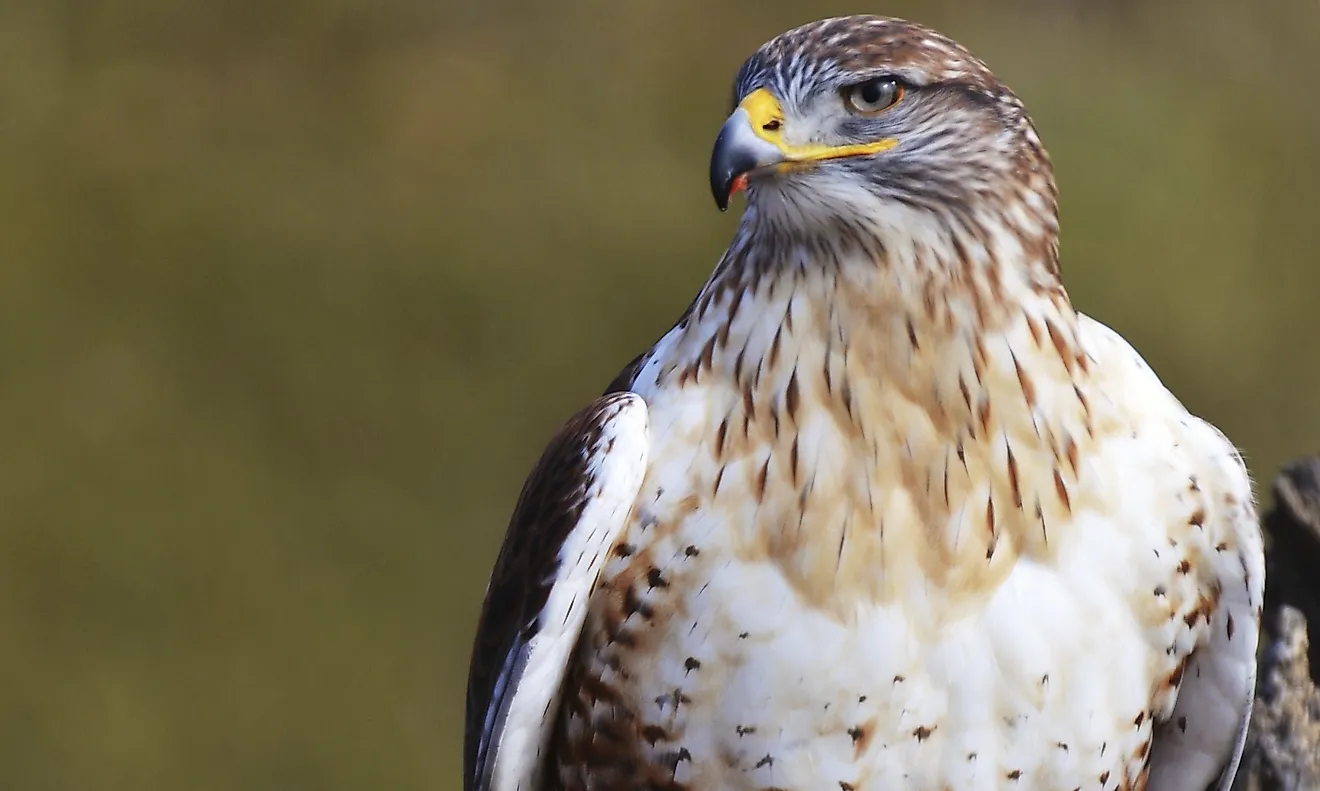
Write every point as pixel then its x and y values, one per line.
pixel 873 96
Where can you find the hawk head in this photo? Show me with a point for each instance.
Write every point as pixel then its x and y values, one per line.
pixel 881 122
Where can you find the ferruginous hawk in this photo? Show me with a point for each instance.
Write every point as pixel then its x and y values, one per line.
pixel 881 511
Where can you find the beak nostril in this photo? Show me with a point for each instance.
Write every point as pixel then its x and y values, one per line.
pixel 771 125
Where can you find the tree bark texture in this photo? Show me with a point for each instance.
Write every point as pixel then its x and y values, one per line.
pixel 1283 746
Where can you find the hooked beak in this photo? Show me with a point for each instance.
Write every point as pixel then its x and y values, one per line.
pixel 738 151
pixel 753 139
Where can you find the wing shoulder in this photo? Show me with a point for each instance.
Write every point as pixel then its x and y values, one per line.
pixel 1207 732
pixel 569 515
pixel 1198 746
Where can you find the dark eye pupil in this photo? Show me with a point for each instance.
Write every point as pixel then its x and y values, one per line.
pixel 875 91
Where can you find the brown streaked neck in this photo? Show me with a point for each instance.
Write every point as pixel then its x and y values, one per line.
pixel 917 312
pixel 925 413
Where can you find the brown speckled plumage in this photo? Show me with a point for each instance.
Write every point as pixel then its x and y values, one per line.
pixel 906 519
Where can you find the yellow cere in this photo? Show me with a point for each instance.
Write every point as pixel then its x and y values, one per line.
pixel 767 120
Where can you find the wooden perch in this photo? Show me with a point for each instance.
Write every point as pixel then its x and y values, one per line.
pixel 1283 748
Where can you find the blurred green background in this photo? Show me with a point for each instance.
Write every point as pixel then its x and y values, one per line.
pixel 292 293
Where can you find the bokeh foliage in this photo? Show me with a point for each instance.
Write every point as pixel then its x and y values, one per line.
pixel 292 293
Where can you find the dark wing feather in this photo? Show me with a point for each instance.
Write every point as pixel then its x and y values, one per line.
pixel 623 382
pixel 569 516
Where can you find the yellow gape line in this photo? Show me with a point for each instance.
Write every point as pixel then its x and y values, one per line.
pixel 768 124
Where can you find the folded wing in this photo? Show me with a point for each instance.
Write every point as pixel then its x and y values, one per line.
pixel 570 514
pixel 1200 745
